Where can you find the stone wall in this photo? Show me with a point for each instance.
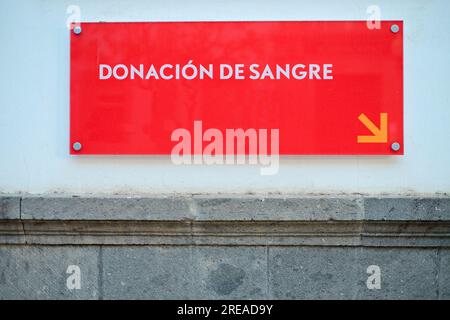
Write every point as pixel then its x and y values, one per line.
pixel 225 247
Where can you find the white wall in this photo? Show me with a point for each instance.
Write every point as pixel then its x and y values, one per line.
pixel 34 104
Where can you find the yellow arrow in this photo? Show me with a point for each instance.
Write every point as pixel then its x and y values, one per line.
pixel 379 133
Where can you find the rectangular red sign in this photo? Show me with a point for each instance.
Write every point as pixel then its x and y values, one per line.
pixel 327 87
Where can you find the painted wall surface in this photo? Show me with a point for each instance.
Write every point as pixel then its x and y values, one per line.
pixel 34 104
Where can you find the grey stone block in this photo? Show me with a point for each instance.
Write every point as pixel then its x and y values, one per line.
pixel 341 273
pixel 147 272
pixel 112 208
pixel 39 272
pixel 304 208
pixel 405 273
pixel 183 273
pixel 444 274
pixel 205 272
pixel 313 273
pixel 230 273
pixel 278 208
pixel 407 208
pixel 9 208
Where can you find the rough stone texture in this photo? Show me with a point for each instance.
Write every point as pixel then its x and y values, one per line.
pixel 183 273
pixel 39 272
pixel 112 208
pixel 407 208
pixel 444 274
pixel 225 247
pixel 405 273
pixel 297 208
pixel 278 208
pixel 147 273
pixel 190 272
pixel 341 273
pixel 309 273
pixel 230 273
pixel 11 232
pixel 231 233
pixel 9 208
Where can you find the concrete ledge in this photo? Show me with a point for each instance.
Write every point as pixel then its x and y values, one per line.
pixel 228 220
pixel 9 208
pixel 105 208
pixel 193 208
pixel 407 208
pixel 252 208
pixel 317 208
pixel 229 233
pixel 244 207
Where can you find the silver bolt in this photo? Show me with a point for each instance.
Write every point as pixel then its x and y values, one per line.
pixel 395 28
pixel 77 146
pixel 395 146
pixel 77 29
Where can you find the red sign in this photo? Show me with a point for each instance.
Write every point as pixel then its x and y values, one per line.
pixel 328 87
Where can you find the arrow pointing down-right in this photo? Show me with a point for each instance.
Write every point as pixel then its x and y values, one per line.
pixel 380 133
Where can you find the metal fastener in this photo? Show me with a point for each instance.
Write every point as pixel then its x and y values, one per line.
pixel 395 146
pixel 76 146
pixel 395 28
pixel 77 29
